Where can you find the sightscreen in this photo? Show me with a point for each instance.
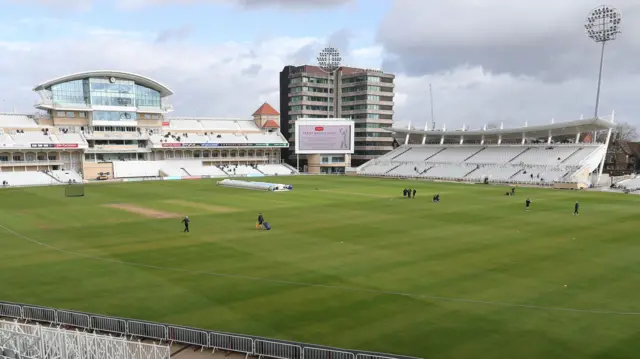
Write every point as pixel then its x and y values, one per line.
pixel 324 137
pixel 74 190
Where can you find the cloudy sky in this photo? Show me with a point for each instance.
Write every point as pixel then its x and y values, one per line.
pixel 488 61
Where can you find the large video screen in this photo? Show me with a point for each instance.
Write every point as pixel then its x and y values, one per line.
pixel 324 137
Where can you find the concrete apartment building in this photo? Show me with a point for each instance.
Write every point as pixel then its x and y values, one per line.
pixel 366 96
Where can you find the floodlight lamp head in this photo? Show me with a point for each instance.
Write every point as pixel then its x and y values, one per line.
pixel 603 23
pixel 329 59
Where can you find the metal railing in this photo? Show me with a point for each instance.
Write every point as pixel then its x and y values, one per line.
pixel 244 344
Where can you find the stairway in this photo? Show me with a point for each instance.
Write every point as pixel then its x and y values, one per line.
pixel 52 176
pixel 475 153
pixel 515 174
pixel 185 171
pixel 435 154
pixel 572 154
pixel 519 154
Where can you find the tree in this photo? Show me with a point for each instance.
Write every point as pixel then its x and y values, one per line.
pixel 625 132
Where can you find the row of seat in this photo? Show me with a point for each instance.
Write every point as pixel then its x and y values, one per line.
pixel 508 163
pixel 523 155
pixel 177 168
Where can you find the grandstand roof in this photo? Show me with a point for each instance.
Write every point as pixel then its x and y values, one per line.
pixel 14 120
pixel 556 129
pixel 139 79
pixel 267 110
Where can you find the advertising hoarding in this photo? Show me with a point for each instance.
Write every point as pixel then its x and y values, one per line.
pixel 330 136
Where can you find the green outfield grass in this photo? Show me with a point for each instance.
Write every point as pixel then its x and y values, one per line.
pixel 349 263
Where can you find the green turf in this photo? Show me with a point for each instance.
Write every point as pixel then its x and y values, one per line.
pixel 340 262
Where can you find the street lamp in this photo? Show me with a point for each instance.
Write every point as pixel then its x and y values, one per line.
pixel 329 60
pixel 602 25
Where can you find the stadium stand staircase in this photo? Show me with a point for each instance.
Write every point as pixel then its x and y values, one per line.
pixel 518 155
pixel 572 154
pixel 475 153
pixel 435 154
pixel 470 172
pixel 517 173
pixel 397 155
pixel 185 171
pixel 52 176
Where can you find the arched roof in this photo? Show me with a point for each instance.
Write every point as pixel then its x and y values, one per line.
pixel 139 79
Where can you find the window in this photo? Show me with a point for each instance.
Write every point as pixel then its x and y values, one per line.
pixel 373 88
pixel 82 114
pixel 373 79
pixel 71 92
pixel 147 116
pixel 373 98
pixel 147 97
pixel 113 116
pixel 60 114
pixel 70 114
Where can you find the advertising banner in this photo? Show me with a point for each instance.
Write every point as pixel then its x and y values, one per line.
pixel 209 145
pixel 327 137
pixel 54 145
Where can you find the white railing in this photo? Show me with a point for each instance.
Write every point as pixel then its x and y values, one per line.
pixel 244 344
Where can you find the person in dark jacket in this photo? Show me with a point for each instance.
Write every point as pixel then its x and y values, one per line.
pixel 260 219
pixel 414 193
pixel 527 204
pixel 186 224
pixel 576 207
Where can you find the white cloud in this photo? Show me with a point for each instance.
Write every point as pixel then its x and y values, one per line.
pixel 472 96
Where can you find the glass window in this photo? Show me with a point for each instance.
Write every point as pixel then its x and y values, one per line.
pixel 70 114
pixel 60 114
pixel 373 79
pixel 147 97
pixel 70 93
pixel 113 116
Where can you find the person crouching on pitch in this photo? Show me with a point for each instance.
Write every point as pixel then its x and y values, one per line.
pixel 260 220
pixel 186 224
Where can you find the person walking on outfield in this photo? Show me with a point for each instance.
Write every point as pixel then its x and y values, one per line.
pixel 260 221
pixel 527 204
pixel 414 193
pixel 576 208
pixel 186 224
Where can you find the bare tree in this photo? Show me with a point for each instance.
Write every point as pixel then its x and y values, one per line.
pixel 625 132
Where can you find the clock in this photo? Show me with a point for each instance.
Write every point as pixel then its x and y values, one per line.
pixel 112 80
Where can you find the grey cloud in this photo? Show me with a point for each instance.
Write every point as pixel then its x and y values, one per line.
pixel 544 38
pixel 341 40
pixel 171 34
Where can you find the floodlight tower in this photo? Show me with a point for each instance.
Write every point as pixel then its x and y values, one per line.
pixel 602 25
pixel 329 60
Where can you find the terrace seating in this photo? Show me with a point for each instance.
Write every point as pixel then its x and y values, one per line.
pixel 29 178
pixel 28 137
pixel 545 155
pixel 456 154
pixel 271 170
pixel 66 176
pixel 416 154
pixel 503 164
pixel 496 155
pixel 241 170
pixel 213 171
pixel 264 138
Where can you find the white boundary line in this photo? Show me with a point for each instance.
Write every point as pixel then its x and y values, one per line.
pixel 326 286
